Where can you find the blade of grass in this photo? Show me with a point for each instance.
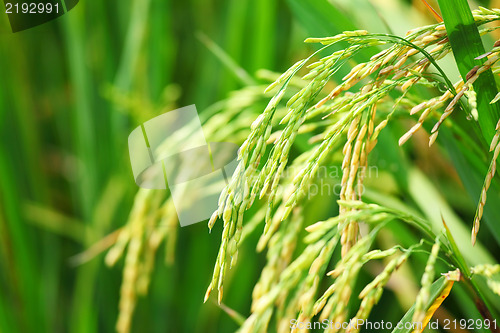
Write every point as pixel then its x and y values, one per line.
pixel 433 11
pixel 263 42
pixel 236 22
pixel 382 18
pixel 56 222
pixel 128 63
pixel 457 255
pixel 21 135
pixel 237 71
pixel 467 45
pixel 434 206
pixel 161 55
pixel 480 301
pixel 23 265
pixel 438 288
pixel 83 316
pixel 472 177
pixel 321 19
pixel 435 304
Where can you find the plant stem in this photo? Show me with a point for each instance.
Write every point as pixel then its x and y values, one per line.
pixel 480 302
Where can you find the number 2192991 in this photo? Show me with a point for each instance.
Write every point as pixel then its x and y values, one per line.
pixel 469 324
pixel 31 8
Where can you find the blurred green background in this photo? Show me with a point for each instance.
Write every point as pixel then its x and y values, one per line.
pixel 74 88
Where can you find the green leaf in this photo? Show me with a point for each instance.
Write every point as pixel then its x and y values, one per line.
pixel 472 177
pixel 437 288
pixel 236 70
pixel 321 19
pixel 456 252
pixel 467 46
pixel 434 207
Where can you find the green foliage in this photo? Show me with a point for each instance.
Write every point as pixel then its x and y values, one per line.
pixel 467 47
pixel 83 250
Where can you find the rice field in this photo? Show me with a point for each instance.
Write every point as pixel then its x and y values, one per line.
pixel 364 196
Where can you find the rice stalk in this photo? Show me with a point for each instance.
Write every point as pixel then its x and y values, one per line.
pixel 427 279
pixel 495 147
